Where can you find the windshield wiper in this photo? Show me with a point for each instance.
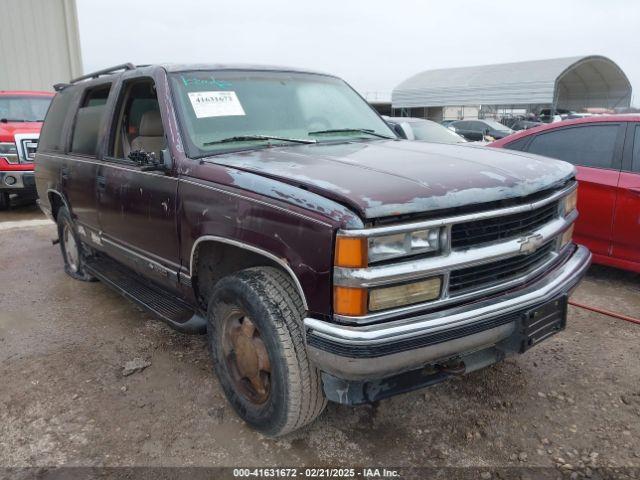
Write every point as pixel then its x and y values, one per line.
pixel 368 131
pixel 7 120
pixel 243 138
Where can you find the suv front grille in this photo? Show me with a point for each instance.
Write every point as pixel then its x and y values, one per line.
pixel 478 232
pixel 500 271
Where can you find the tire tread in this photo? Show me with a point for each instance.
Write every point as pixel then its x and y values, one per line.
pixel 306 398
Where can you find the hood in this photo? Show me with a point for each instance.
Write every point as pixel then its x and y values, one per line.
pixel 388 178
pixel 9 129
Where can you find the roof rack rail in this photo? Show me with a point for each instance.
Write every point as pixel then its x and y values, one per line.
pixel 106 71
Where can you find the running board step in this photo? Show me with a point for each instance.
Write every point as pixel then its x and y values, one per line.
pixel 152 298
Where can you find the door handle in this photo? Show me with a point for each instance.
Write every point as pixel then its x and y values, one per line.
pixel 64 173
pixel 101 183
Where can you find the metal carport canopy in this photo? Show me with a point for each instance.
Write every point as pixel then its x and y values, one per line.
pixel 574 81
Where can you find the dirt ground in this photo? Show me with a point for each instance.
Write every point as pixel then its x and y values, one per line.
pixel 572 403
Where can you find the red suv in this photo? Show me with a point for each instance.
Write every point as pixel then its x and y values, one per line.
pixel 606 152
pixel 21 117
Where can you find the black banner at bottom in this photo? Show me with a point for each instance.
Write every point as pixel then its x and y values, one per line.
pixel 341 473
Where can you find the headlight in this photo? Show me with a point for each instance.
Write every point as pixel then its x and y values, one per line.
pixel 403 244
pixel 570 202
pixel 9 151
pixel 407 294
pixel 362 251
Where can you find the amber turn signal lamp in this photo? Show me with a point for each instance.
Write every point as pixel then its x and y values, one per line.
pixel 567 236
pixel 350 301
pixel 351 252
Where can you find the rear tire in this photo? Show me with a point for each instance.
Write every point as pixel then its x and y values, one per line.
pixel 73 252
pixel 5 201
pixel 256 339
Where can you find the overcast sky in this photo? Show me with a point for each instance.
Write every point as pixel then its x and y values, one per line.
pixel 372 44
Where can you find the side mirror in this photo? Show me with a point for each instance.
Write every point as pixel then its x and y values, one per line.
pixel 147 161
pixel 399 131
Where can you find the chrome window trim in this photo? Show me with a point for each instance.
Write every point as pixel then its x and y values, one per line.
pixel 381 275
pixel 468 217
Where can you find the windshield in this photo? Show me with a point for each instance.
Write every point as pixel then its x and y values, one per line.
pixel 434 132
pixel 497 126
pixel 23 109
pixel 235 110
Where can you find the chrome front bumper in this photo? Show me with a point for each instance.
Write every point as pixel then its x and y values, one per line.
pixel 383 349
pixel 17 179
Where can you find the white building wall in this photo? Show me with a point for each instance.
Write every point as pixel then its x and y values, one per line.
pixel 39 44
pixel 462 112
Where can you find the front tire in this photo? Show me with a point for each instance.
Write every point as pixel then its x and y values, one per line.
pixel 256 339
pixel 71 247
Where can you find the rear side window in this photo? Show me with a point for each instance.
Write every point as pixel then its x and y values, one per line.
pixel 588 146
pixel 517 144
pixel 478 126
pixel 636 150
pixel 88 121
pixel 52 138
pixel 97 96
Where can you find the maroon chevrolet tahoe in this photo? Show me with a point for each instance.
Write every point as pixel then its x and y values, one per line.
pixel 325 258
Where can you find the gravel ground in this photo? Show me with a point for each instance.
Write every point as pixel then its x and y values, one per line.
pixel 572 403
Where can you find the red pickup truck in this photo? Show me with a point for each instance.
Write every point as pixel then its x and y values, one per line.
pixel 21 117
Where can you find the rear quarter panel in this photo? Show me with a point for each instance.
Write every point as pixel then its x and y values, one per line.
pixel 50 156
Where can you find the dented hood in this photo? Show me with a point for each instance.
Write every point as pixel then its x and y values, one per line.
pixel 386 178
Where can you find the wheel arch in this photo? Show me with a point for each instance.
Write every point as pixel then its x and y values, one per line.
pixel 56 200
pixel 206 241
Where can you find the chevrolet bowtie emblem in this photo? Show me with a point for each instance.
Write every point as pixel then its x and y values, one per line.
pixel 531 243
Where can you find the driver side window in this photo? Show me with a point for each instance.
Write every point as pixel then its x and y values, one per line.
pixel 138 126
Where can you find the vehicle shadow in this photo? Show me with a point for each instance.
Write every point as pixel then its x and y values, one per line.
pixel 610 274
pixel 21 209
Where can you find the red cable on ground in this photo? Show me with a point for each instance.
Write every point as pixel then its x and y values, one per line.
pixel 620 316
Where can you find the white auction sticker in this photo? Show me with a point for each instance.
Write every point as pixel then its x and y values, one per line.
pixel 215 104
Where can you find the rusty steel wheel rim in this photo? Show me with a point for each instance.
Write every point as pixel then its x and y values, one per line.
pixel 246 357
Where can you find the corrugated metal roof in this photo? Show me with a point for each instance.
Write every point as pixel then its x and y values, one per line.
pixel 532 82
